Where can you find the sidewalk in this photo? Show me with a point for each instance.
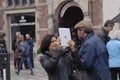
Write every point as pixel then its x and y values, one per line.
pixel 39 73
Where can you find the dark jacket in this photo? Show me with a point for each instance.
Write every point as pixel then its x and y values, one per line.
pixel 24 49
pixel 3 48
pixel 31 43
pixel 14 44
pixel 2 43
pixel 92 55
pixel 103 35
pixel 51 64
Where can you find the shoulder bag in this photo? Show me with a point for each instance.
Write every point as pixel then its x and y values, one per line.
pixel 79 74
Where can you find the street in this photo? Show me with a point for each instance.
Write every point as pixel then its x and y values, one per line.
pixel 39 73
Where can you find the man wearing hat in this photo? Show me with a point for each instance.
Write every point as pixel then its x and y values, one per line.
pixel 92 51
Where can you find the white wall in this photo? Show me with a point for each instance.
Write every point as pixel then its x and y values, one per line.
pixel 110 9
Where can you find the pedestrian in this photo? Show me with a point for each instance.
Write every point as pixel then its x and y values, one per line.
pixel 92 52
pixel 29 40
pixel 23 48
pixel 55 61
pixel 16 53
pixel 103 33
pixel 113 47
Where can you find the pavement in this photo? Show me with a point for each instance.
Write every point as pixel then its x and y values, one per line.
pixel 39 73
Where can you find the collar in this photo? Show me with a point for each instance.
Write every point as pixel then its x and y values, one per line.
pixel 88 36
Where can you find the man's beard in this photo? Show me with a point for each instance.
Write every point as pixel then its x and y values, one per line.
pixel 81 40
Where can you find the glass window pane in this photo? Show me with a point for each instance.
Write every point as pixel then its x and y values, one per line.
pixel 24 2
pixel 17 2
pixel 10 2
pixel 32 1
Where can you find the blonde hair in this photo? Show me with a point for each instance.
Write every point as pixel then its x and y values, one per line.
pixel 21 37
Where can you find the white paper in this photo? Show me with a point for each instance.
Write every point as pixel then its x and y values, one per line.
pixel 65 36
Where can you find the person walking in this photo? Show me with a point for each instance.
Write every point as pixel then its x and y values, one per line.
pixel 23 48
pixel 29 40
pixel 16 53
pixel 113 47
pixel 56 62
pixel 103 33
pixel 92 52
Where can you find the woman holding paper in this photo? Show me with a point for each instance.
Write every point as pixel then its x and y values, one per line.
pixel 56 62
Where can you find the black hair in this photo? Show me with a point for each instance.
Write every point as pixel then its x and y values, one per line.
pixel 109 23
pixel 46 43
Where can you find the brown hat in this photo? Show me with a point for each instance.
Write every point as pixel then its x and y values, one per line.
pixel 83 24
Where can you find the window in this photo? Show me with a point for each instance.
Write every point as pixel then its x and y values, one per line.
pixel 10 2
pixel 32 1
pixel 17 2
pixel 20 3
pixel 24 2
pixel 90 9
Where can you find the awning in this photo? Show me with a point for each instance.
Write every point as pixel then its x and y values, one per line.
pixel 116 19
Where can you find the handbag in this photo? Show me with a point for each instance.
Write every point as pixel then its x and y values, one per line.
pixel 79 74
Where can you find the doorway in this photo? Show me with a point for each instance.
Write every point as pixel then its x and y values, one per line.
pixel 68 14
pixel 23 23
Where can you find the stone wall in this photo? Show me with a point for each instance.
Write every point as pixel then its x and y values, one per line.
pixel 1 15
pixel 41 20
pixel 97 12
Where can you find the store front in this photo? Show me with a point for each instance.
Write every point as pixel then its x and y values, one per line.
pixel 24 23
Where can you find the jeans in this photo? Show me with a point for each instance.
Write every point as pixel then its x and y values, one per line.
pixel 28 62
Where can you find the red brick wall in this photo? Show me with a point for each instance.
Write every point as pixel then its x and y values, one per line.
pixel 41 36
pixel 42 1
pixel 97 12
pixel 43 16
pixel 42 20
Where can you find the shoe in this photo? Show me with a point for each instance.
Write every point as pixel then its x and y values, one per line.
pixel 17 72
pixel 32 73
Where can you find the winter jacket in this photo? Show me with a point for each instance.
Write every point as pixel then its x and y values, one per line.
pixel 93 57
pixel 113 47
pixel 31 43
pixel 103 35
pixel 24 49
pixel 57 66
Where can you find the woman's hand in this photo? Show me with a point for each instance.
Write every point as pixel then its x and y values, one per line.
pixel 58 42
pixel 71 43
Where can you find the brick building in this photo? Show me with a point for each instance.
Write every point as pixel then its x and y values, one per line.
pixel 39 17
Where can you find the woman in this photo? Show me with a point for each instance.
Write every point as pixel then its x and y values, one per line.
pixel 113 47
pixel 55 61
pixel 23 48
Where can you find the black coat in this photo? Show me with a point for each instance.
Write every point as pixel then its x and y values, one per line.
pixel 14 44
pixel 2 43
pixel 103 35
pixel 50 64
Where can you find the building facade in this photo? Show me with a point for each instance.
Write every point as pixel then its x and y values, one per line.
pixel 40 17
